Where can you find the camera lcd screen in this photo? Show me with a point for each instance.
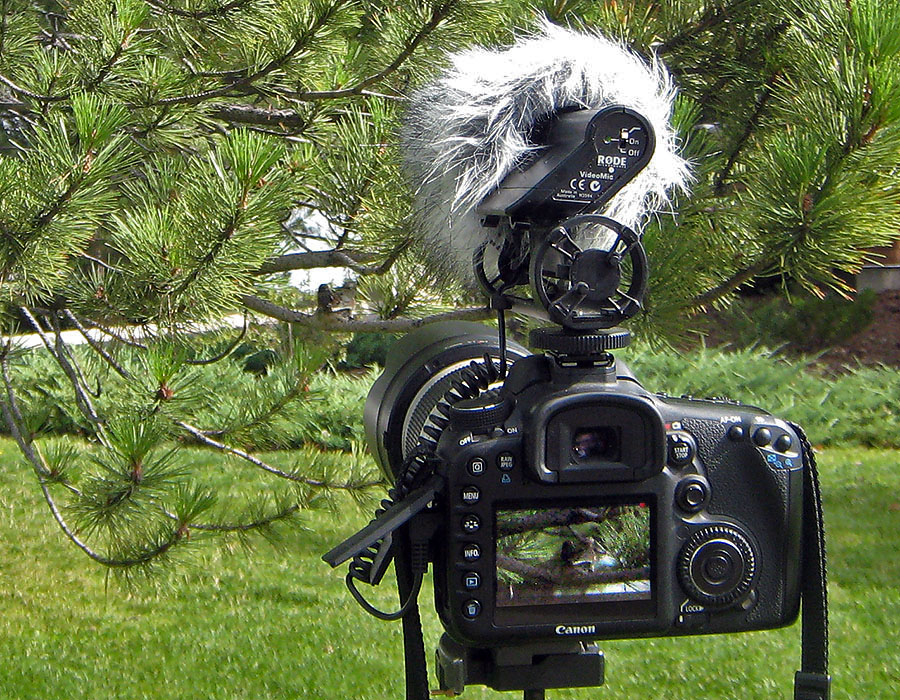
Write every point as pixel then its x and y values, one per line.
pixel 578 554
pixel 601 442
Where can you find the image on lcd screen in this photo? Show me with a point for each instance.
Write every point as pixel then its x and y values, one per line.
pixel 584 554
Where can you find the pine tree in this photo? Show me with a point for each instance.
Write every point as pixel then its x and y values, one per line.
pixel 154 157
pixel 161 163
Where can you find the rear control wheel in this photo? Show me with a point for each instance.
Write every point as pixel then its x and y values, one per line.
pixel 716 566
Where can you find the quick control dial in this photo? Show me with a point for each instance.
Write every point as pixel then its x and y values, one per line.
pixel 716 566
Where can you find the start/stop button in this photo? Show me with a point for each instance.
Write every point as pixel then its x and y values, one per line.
pixel 680 449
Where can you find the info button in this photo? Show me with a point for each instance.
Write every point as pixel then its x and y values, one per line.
pixel 471 552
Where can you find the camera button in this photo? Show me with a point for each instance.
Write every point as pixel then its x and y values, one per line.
pixel 783 442
pixel 762 437
pixel 736 432
pixel 476 466
pixel 471 552
pixel 470 495
pixel 471 609
pixel 681 451
pixel 471 580
pixel 471 523
pixel 691 495
pixel 506 461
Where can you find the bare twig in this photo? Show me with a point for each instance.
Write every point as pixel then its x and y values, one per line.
pixel 355 260
pixel 97 347
pixel 82 400
pixel 203 437
pixel 337 322
pixel 246 114
pixel 227 351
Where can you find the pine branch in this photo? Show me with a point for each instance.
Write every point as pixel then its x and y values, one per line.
pixel 248 114
pixel 223 238
pixel 247 80
pixel 227 351
pixel 726 287
pixel 245 527
pixel 438 15
pixel 32 95
pixel 326 258
pixel 744 138
pixel 97 347
pixel 220 11
pixel 335 322
pixel 203 437
pixel 9 411
pixel 714 16
pixel 567 576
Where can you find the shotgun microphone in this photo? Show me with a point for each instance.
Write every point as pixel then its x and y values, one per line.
pixel 558 124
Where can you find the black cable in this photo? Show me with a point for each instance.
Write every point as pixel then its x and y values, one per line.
pixel 406 605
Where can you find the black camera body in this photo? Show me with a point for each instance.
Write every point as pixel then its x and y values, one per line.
pixel 578 504
pixel 557 500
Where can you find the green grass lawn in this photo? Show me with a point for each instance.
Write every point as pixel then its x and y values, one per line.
pixel 279 624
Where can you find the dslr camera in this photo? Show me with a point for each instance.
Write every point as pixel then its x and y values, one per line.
pixel 557 500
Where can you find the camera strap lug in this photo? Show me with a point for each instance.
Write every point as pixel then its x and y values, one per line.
pixel 812 686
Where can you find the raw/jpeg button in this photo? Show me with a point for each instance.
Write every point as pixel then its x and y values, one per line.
pixel 506 461
pixel 471 523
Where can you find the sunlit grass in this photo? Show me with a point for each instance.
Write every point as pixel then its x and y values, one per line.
pixel 278 623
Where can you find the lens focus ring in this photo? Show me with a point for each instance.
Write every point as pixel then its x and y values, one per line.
pixel 716 566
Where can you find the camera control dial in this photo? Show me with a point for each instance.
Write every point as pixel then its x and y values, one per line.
pixel 716 566
pixel 481 414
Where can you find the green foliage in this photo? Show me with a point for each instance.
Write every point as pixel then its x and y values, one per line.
pixel 368 349
pixel 789 113
pixel 804 324
pixel 855 408
pixel 151 155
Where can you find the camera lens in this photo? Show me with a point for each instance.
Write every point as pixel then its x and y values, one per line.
pixel 421 368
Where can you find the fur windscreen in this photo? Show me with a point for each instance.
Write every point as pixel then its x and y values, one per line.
pixel 469 128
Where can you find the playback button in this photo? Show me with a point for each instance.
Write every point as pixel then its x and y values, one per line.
pixel 471 580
